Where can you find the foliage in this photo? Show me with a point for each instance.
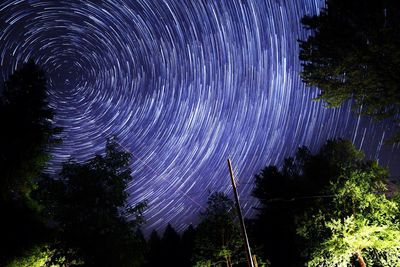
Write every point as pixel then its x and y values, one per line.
pixel 203 263
pixel 359 221
pixel 88 207
pixel 188 243
pixel 285 193
pixel 218 238
pixel 36 257
pixel 153 257
pixel 354 53
pixel 171 247
pixel 27 131
pixel 25 137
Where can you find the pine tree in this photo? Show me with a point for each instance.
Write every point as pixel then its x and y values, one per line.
pixel 26 136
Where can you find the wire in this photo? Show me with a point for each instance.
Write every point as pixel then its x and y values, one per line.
pixel 295 198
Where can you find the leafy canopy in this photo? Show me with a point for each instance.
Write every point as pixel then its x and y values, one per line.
pixel 285 193
pixel 88 205
pixel 359 222
pixel 354 53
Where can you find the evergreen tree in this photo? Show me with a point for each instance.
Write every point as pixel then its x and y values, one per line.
pixel 26 135
pixel 218 241
pixel 154 250
pixel 188 239
pixel 27 131
pixel 171 247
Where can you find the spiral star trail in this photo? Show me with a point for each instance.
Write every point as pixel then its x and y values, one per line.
pixel 183 85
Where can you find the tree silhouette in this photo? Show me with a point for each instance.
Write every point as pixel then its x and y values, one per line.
pixel 218 241
pixel 88 207
pixel 171 247
pixel 153 257
pixel 27 130
pixel 188 243
pixel 354 53
pixel 25 137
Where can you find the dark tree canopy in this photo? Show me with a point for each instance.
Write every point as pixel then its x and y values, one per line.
pixel 25 138
pixel 171 247
pixel 26 130
pixel 286 193
pixel 153 257
pixel 88 207
pixel 354 53
pixel 188 242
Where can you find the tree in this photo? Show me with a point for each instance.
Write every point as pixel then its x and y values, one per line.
pixel 27 131
pixel 154 250
pixel 285 193
pixel 35 257
pixel 88 206
pixel 358 225
pixel 26 135
pixel 354 53
pixel 218 240
pixel 171 247
pixel 188 239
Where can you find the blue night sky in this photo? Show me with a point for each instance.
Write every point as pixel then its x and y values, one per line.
pixel 183 85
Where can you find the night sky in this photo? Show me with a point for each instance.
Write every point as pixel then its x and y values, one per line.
pixel 183 85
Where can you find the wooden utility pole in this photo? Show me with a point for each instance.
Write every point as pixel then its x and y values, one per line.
pixel 239 210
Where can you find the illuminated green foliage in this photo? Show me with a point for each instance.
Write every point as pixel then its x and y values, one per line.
pixel 286 193
pixel 36 257
pixel 203 263
pixel 359 221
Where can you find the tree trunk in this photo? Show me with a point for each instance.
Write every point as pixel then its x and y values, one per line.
pixel 228 261
pixel 360 260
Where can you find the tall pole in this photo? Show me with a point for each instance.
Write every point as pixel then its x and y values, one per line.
pixel 239 210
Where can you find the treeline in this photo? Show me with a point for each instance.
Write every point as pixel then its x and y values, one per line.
pixel 331 208
pixel 215 241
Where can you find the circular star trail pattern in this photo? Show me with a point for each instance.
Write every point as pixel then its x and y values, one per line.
pixel 183 85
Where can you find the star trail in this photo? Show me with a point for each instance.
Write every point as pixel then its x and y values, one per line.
pixel 183 85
